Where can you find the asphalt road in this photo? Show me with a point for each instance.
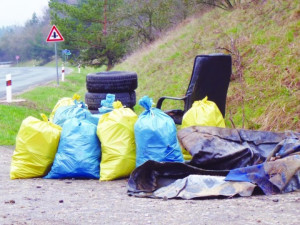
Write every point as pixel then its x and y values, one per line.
pixel 25 78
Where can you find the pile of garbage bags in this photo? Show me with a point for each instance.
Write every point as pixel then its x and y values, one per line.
pixel 73 143
pixel 202 159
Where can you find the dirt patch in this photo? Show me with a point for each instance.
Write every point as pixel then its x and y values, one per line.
pixel 43 201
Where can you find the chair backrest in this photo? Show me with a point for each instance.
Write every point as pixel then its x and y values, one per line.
pixel 210 77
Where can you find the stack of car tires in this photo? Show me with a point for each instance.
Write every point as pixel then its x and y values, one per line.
pixel 120 83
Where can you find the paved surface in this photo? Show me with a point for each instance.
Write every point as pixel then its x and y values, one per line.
pixel 42 201
pixel 25 78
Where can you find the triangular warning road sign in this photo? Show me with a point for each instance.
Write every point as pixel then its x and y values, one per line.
pixel 54 35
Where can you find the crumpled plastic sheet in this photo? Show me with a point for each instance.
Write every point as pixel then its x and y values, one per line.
pixel 152 175
pixel 278 176
pixel 217 148
pixel 268 160
pixel 197 186
pixel 274 177
pixel 173 180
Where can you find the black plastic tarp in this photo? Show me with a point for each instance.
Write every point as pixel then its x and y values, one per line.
pixel 216 152
pixel 222 148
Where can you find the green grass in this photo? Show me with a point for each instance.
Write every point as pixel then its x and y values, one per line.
pixel 266 36
pixel 39 100
pixel 11 119
pixel 267 41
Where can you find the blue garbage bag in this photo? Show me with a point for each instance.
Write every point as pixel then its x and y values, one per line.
pixel 78 154
pixel 156 136
pixel 78 111
pixel 95 118
pixel 107 104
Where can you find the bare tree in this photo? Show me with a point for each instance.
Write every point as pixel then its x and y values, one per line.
pixel 222 4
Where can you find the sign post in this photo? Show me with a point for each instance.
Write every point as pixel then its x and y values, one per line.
pixel 8 88
pixel 63 73
pixel 65 53
pixel 17 58
pixel 55 36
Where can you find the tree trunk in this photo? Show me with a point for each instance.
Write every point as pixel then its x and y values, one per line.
pixel 150 27
pixel 229 5
pixel 105 18
pixel 109 64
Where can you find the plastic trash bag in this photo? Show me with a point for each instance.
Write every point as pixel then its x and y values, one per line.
pixel 95 118
pixel 202 113
pixel 78 110
pixel 116 133
pixel 107 104
pixel 78 154
pixel 36 145
pixel 64 102
pixel 155 136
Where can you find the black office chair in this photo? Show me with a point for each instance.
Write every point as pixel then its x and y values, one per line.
pixel 210 77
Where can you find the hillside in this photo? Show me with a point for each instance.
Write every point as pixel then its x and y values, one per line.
pixel 265 91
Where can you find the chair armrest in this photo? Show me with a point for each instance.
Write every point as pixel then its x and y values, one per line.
pixel 160 100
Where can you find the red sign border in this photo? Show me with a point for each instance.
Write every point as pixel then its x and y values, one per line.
pixel 59 34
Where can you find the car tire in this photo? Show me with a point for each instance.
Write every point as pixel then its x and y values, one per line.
pixel 111 81
pixel 94 111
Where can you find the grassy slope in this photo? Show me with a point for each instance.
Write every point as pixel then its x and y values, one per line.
pixel 39 100
pixel 267 38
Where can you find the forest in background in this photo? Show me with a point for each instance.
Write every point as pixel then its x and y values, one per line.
pixel 100 32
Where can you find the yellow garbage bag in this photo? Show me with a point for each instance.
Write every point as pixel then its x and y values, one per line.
pixel 202 113
pixel 36 146
pixel 63 102
pixel 116 133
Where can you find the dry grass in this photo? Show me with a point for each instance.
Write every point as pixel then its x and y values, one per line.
pixel 267 39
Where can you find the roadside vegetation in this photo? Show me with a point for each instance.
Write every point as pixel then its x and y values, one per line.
pixel 264 93
pixel 39 100
pixel 264 42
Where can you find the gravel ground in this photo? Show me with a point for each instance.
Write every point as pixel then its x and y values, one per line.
pixel 43 201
